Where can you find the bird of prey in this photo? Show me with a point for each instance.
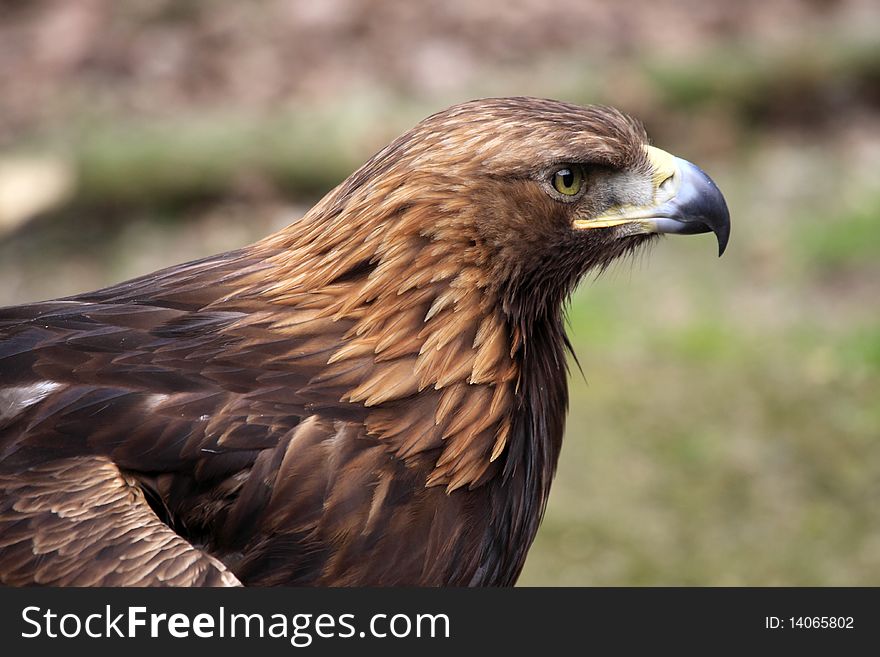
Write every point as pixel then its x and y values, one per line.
pixel 374 395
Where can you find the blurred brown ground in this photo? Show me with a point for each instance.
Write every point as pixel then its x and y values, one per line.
pixel 160 57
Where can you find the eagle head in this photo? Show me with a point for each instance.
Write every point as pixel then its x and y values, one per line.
pixel 533 193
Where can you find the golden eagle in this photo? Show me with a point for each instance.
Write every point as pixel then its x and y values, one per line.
pixel 374 395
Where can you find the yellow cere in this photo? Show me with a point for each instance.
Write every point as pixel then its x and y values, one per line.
pixel 663 164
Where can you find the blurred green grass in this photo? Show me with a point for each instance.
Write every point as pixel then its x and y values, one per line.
pixel 852 239
pixel 701 454
pixel 728 430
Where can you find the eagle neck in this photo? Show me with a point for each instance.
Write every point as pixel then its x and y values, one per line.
pixel 522 490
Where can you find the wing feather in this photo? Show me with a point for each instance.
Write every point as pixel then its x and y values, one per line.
pixel 81 522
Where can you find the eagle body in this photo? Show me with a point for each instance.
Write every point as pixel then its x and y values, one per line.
pixel 373 396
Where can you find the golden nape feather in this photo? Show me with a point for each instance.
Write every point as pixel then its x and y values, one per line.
pixel 374 395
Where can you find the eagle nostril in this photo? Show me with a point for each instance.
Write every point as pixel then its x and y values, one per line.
pixel 666 187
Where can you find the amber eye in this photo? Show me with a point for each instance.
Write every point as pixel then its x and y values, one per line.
pixel 568 180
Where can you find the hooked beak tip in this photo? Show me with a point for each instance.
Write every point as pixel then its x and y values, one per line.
pixel 697 207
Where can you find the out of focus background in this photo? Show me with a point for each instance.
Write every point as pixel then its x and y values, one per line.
pixel 727 428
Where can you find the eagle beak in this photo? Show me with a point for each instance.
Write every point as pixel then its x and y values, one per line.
pixel 686 202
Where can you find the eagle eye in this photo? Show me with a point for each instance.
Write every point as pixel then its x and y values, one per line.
pixel 568 180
